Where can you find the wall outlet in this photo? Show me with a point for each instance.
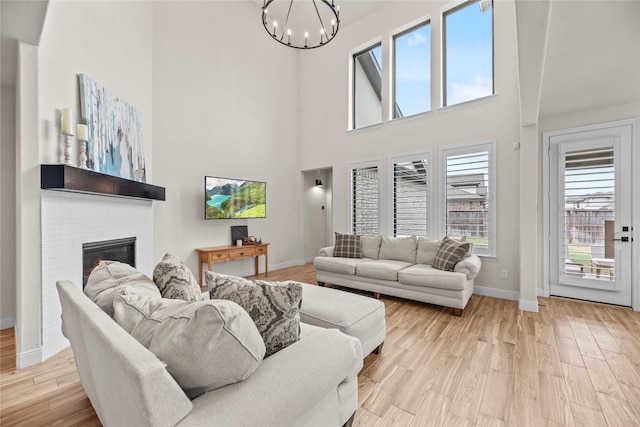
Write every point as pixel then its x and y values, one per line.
pixel 504 274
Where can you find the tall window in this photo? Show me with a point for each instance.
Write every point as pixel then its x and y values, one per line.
pixel 367 86
pixel 468 52
pixel 469 199
pixel 412 71
pixel 365 198
pixel 410 193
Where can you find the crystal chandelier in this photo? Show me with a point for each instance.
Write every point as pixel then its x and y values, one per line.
pixel 301 24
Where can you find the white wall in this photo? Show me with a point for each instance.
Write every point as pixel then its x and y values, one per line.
pixel 224 104
pixel 109 41
pixel 8 208
pixel 324 100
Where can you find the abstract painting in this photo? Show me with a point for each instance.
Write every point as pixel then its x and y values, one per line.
pixel 115 132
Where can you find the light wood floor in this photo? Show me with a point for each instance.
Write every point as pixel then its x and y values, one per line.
pixel 573 364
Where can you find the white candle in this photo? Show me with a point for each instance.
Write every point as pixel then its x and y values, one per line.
pixel 82 131
pixel 66 124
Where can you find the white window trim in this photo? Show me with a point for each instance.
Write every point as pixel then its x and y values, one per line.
pixel 405 158
pixel 426 19
pixel 358 165
pixel 355 51
pixel 489 146
pixel 443 78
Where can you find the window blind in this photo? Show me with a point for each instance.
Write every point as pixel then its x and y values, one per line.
pixel 365 201
pixel 410 202
pixel 468 195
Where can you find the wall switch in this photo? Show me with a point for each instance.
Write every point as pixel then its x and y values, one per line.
pixel 504 274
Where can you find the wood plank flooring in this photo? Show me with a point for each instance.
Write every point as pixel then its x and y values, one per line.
pixel 572 364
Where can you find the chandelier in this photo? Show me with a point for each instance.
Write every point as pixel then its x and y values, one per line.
pixel 301 24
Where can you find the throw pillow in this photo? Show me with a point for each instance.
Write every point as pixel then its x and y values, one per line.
pixel 175 280
pixel 273 306
pixel 111 278
pixel 399 248
pixel 205 344
pixel 347 246
pixel 370 246
pixel 450 252
pixel 427 250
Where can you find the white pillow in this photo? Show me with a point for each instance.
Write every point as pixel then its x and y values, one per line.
pixel 205 345
pixel 111 278
pixel 427 250
pixel 370 246
pixel 398 248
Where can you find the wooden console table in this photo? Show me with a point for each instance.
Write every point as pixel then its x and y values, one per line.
pixel 226 253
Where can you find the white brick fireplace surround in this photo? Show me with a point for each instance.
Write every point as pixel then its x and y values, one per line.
pixel 68 221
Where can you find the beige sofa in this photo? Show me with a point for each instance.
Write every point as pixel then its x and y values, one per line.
pixel 311 382
pixel 401 267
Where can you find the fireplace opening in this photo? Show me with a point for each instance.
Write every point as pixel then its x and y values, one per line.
pixel 122 250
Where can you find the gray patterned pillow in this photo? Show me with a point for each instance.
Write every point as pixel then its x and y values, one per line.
pixel 347 246
pixel 450 252
pixel 175 280
pixel 273 306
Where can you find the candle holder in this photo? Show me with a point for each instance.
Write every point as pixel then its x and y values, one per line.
pixel 83 154
pixel 67 148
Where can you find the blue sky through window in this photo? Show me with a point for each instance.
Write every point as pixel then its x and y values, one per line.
pixel 413 71
pixel 469 54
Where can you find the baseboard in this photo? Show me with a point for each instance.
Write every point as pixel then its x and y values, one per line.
pixel 7 322
pixel 496 293
pixel 525 305
pixel 308 260
pixel 28 358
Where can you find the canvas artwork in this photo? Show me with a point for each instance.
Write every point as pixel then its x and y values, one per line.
pixel 115 132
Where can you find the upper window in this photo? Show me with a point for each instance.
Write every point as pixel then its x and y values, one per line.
pixel 412 71
pixel 367 87
pixel 469 200
pixel 468 52
pixel 365 200
pixel 410 194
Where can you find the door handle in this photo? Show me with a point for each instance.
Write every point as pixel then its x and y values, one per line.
pixel 622 239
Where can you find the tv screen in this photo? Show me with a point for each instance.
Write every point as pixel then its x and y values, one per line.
pixel 226 198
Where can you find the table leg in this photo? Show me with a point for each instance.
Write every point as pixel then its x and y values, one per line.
pixel 266 264
pixel 200 262
pixel 255 260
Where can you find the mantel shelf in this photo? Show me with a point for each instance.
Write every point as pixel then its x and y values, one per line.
pixel 70 178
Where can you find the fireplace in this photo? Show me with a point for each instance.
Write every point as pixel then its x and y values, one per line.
pixel 123 250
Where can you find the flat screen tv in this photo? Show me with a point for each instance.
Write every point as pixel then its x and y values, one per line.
pixel 226 198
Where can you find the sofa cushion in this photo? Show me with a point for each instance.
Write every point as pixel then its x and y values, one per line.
pixel 205 344
pixel 450 252
pixel 428 276
pixel 273 306
pixel 398 248
pixel 111 278
pixel 347 246
pixel 338 265
pixel 427 250
pixel 383 269
pixel 175 280
pixel 370 246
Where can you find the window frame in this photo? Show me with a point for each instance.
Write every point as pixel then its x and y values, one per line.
pixel 377 163
pixel 371 45
pixel 490 148
pixel 448 9
pixel 393 160
pixel 399 32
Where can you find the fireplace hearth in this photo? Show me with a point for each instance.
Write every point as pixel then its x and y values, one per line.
pixel 122 250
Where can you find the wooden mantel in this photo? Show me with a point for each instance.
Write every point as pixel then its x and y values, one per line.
pixel 73 179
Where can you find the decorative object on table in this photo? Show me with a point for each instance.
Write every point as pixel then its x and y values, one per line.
pixel 81 130
pixel 301 24
pixel 238 232
pixel 115 132
pixel 226 198
pixel 66 128
pixel 318 183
